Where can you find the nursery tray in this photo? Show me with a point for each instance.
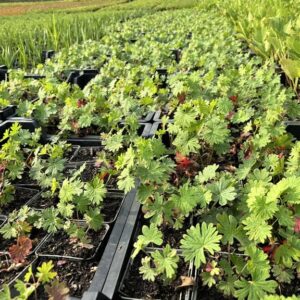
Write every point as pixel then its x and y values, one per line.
pixel 109 272
pixel 94 140
pixel 39 252
pixel 47 54
pixel 189 293
pixel 165 137
pixel 3 220
pixel 28 124
pixel 7 112
pixel 22 273
pixel 3 73
pixel 293 127
pixel 158 117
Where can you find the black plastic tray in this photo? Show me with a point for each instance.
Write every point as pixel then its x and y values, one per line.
pixel 47 54
pixel 293 127
pixel 109 272
pixel 7 112
pixel 28 124
pixel 94 140
pixel 165 137
pixel 3 73
pixel 189 293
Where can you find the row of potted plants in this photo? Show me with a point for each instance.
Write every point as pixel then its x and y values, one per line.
pixel 217 181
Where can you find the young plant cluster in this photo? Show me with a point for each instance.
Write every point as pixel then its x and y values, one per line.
pixel 219 180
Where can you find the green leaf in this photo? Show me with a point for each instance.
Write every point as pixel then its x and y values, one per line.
pixel 146 270
pixel 150 235
pixel 24 290
pixel 228 226
pixel 288 252
pixel 222 191
pixel 5 294
pixel 291 68
pixel 187 199
pixel 50 220
pixel 197 241
pixel 166 261
pixel 207 174
pixel 254 290
pixel 257 229
pixel 95 191
pixel 94 218
pixel 113 143
pixel 70 189
pixel 45 273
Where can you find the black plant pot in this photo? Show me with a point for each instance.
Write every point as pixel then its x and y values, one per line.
pixel 3 73
pixel 19 275
pixel 3 220
pixel 23 196
pixel 81 77
pixel 95 140
pixel 158 117
pixel 115 256
pixel 293 127
pixel 166 139
pixel 34 76
pixel 187 269
pixel 176 53
pixel 28 124
pixel 43 252
pixel 70 272
pixel 47 54
pixel 7 112
pixel 86 154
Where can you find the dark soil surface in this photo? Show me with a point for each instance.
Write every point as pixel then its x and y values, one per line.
pixel 291 289
pixel 22 195
pixel 77 275
pixel 70 152
pixel 134 286
pixel 25 179
pixel 7 276
pixel 88 173
pixel 42 203
pixel 112 183
pixel 60 244
pixel 36 237
pixel 86 154
pixel 110 209
pixel 111 205
pixel 173 236
pixel 205 293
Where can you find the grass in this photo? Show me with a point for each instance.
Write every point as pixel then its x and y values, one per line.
pixel 28 28
pixel 16 9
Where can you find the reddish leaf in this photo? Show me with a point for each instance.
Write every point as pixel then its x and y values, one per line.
pixel 233 99
pixel 208 268
pixel 57 291
pixel 74 125
pixel 230 115
pixel 181 97
pixel 297 224
pixel 182 161
pixel 20 251
pixel 268 249
pixel 248 153
pixel 81 103
pixel 2 168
